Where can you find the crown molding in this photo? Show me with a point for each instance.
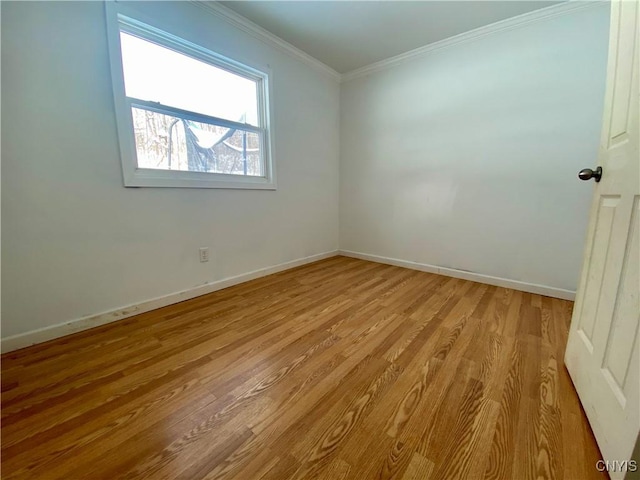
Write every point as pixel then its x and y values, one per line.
pixel 256 31
pixel 501 26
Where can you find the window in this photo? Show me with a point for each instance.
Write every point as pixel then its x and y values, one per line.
pixel 187 117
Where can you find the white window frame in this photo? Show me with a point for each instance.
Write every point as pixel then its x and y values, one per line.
pixel 146 177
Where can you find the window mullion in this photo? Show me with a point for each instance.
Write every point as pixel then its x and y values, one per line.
pixel 193 116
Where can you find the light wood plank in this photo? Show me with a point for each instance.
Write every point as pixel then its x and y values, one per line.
pixel 342 369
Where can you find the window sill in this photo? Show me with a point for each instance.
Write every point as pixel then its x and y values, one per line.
pixel 176 179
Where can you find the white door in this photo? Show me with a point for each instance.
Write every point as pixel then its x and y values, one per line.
pixel 603 348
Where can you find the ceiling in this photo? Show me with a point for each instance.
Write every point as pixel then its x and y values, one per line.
pixel 346 35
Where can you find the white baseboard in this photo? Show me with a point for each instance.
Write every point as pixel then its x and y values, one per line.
pixel 62 329
pixel 474 277
pixel 41 335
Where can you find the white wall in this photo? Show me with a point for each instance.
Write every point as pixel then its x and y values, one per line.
pixel 464 158
pixel 467 157
pixel 75 242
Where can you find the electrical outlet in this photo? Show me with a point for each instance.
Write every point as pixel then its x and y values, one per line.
pixel 204 254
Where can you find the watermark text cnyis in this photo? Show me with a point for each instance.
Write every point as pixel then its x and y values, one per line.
pixel 617 466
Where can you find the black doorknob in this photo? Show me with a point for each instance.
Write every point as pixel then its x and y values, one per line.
pixel 588 174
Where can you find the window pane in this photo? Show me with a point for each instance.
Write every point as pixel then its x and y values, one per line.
pixel 158 74
pixel 166 142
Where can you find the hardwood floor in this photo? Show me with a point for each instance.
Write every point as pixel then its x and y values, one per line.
pixel 342 369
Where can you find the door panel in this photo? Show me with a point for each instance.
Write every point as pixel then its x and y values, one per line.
pixel 626 309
